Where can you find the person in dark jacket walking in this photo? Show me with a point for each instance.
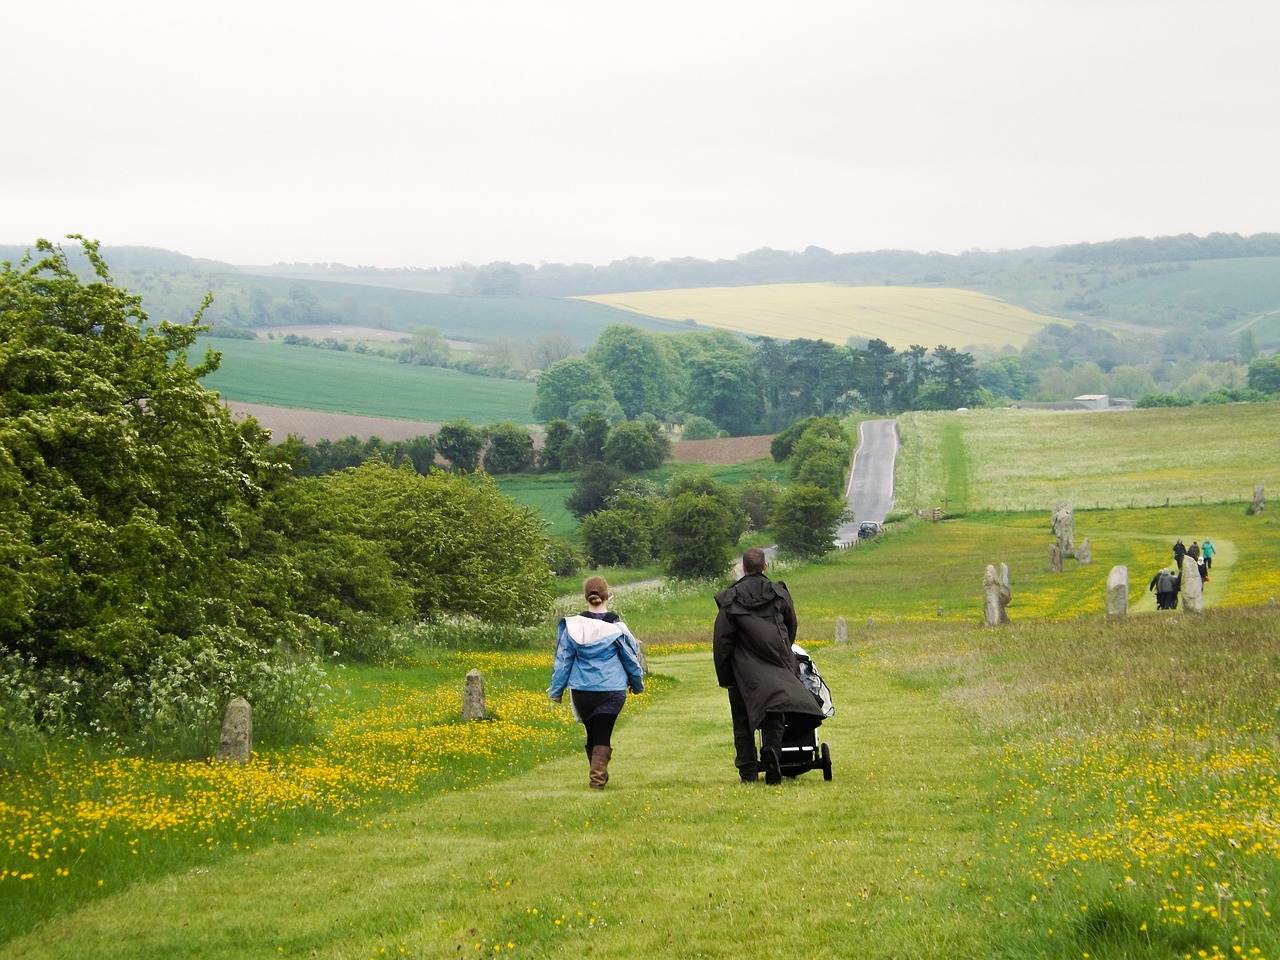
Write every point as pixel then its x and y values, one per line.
pixel 751 646
pixel 1165 584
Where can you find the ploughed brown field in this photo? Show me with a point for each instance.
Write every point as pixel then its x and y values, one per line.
pixel 720 452
pixel 315 425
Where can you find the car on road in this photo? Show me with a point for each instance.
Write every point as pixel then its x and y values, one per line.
pixel 868 529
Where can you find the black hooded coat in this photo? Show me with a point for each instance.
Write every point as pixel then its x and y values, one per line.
pixel 751 646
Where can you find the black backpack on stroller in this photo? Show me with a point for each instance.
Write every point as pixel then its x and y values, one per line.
pixel 802 749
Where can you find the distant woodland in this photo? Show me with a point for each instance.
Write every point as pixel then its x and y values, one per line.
pixel 1184 315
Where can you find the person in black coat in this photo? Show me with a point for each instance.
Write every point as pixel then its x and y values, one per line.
pixel 751 646
pixel 1165 583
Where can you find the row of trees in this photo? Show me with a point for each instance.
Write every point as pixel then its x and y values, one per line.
pixel 749 387
pixel 501 448
pixel 157 557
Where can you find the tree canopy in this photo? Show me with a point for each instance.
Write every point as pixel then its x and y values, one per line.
pixel 158 557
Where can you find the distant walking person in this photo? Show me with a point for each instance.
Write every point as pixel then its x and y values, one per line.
pixel 1165 584
pixel 598 661
pixel 1207 551
pixel 1179 551
pixel 751 646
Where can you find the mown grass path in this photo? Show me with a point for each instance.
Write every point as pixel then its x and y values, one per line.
pixel 673 859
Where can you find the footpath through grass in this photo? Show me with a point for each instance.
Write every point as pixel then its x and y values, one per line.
pixel 674 858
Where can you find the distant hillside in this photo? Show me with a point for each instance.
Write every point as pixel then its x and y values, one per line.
pixel 1207 290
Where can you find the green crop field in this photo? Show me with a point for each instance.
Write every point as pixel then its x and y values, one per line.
pixel 899 315
pixel 268 372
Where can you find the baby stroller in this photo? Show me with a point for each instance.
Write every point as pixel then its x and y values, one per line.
pixel 802 749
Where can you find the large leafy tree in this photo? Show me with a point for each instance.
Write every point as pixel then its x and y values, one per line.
pixel 125 483
pixel 640 367
pixel 956 374
pixel 461 444
pixel 723 388
pixel 565 385
pixel 509 449
pixel 1264 374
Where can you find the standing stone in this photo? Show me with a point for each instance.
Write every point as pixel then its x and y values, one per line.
pixel 1117 591
pixel 996 595
pixel 842 630
pixel 236 742
pixel 1055 558
pixel 473 707
pixel 1259 501
pixel 1085 553
pixel 1064 528
pixel 1192 586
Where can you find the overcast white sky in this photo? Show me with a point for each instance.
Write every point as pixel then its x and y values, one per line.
pixel 429 133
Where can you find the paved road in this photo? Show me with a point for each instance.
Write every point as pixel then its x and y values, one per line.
pixel 870 491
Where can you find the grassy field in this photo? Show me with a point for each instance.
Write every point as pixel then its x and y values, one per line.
pixel 1063 786
pixel 1070 785
pixel 1031 459
pixel 901 316
pixel 271 373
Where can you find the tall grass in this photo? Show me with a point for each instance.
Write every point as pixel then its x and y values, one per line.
pixel 1135 776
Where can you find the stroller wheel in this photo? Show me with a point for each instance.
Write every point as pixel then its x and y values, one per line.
pixel 826 762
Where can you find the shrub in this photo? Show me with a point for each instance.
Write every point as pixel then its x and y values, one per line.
pixel 563 556
pixel 617 537
pixel 695 536
pixel 699 428
pixel 806 519
pixel 636 446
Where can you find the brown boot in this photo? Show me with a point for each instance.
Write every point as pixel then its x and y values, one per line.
pixel 600 766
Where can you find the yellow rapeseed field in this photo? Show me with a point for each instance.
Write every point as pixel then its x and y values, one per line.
pixel 901 316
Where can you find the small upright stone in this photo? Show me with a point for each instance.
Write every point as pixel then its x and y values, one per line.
pixel 1118 591
pixel 1085 553
pixel 1259 501
pixel 236 743
pixel 1055 558
pixel 473 707
pixel 842 630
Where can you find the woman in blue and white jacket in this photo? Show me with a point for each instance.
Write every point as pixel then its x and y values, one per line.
pixel 598 660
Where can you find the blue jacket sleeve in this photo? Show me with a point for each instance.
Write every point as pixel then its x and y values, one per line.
pixel 565 654
pixel 630 658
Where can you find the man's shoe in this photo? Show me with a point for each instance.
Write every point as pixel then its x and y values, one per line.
pixel 749 777
pixel 772 765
